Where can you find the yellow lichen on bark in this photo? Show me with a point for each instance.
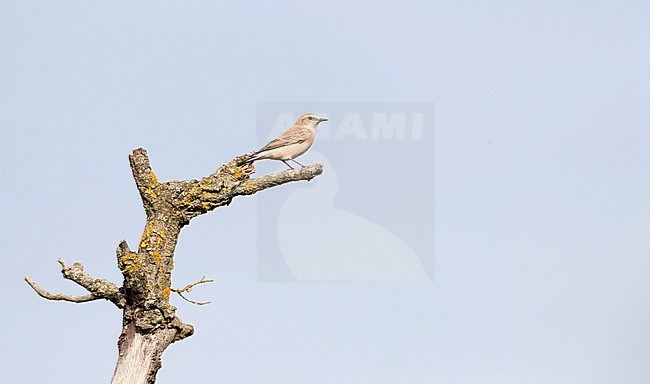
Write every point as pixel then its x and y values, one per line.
pixel 208 196
pixel 191 194
pixel 238 173
pixel 154 179
pixel 131 262
pixel 151 238
pixel 151 193
pixel 251 188
pixel 157 257
pixel 146 235
pixel 148 188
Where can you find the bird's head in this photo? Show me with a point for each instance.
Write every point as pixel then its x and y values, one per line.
pixel 310 120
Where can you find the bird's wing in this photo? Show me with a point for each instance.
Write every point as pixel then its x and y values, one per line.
pixel 295 136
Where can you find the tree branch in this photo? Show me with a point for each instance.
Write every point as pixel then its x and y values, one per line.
pixel 188 289
pixel 196 197
pixel 145 179
pixel 257 184
pixel 59 296
pixel 98 288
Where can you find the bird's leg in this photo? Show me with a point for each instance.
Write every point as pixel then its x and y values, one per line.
pixel 298 163
pixel 288 164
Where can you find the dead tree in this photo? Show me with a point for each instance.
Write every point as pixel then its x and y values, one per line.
pixel 149 323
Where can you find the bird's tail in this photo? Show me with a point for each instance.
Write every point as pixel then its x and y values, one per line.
pixel 249 160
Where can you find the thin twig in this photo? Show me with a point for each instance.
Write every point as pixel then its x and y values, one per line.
pixel 59 296
pixel 188 289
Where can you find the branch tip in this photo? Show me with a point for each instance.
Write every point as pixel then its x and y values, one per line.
pixel 123 248
pixel 59 296
pixel 97 288
pixel 188 289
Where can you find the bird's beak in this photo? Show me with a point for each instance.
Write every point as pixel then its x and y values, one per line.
pixel 323 119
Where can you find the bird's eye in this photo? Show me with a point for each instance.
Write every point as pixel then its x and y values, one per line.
pixel 310 118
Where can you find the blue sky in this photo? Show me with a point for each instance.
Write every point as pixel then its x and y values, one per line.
pixel 542 173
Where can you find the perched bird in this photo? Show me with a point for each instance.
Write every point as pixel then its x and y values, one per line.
pixel 293 143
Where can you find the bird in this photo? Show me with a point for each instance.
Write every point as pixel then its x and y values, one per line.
pixel 292 143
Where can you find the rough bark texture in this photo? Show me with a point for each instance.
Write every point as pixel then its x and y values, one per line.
pixel 150 323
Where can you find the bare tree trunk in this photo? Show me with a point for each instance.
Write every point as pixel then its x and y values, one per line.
pixel 140 355
pixel 149 323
